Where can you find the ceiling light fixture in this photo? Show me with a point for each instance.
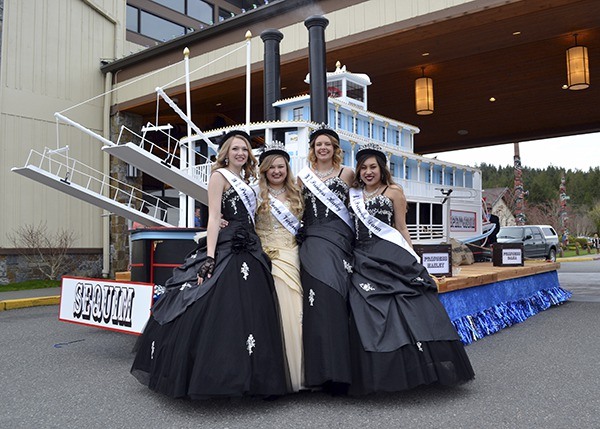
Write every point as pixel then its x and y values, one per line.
pixel 424 94
pixel 578 72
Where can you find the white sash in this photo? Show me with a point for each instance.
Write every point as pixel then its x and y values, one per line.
pixel 377 227
pixel 283 215
pixel 245 192
pixel 327 197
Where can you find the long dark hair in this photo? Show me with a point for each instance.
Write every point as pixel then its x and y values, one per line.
pixel 386 175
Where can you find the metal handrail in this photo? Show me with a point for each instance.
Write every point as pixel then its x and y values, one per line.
pixel 70 171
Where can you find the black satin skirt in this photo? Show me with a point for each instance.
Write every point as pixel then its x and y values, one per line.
pixel 225 344
pixel 324 335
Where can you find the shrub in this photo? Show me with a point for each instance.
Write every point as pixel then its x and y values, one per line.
pixel 42 249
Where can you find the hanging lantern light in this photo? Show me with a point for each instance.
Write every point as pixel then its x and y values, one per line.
pixel 424 94
pixel 578 72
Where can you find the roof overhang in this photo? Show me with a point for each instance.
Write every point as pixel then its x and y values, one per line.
pixel 471 52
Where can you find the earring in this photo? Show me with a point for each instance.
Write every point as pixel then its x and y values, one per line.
pixel 226 161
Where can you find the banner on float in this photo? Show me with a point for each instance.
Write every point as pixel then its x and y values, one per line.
pixel 463 221
pixel 114 305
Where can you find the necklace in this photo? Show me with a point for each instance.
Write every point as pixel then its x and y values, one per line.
pixel 369 195
pixel 276 192
pixel 324 174
pixel 235 174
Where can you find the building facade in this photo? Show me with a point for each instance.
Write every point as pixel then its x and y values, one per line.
pixel 86 59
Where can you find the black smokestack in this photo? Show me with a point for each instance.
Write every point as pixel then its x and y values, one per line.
pixel 272 75
pixel 316 57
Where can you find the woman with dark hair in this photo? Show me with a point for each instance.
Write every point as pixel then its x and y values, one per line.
pixel 326 262
pixel 277 222
pixel 400 334
pixel 215 331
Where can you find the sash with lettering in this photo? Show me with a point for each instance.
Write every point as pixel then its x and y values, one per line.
pixel 327 197
pixel 283 215
pixel 243 190
pixel 377 227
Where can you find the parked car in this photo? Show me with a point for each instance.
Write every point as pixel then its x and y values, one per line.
pixel 539 241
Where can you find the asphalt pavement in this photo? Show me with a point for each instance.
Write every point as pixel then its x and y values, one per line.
pixel 542 373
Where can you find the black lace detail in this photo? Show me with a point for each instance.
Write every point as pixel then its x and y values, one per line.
pixel 233 208
pixel 380 207
pixel 317 212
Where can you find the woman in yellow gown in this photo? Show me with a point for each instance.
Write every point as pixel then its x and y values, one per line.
pixel 277 222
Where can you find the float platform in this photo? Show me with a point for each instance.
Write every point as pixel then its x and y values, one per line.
pixel 483 299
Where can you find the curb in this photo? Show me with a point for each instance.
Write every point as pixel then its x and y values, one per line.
pixel 13 304
pixel 578 259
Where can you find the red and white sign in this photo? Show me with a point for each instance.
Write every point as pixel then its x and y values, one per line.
pixel 106 304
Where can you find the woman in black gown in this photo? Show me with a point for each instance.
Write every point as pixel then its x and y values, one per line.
pixel 401 335
pixel 326 261
pixel 215 331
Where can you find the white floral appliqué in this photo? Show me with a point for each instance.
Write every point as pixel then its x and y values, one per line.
pixel 245 270
pixel 419 344
pixel 159 290
pixel 152 351
pixel 347 266
pixel 186 285
pixel 250 344
pixel 233 204
pixel 311 297
pixel 367 287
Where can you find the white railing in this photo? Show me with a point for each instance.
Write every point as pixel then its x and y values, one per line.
pixel 201 174
pixel 168 155
pixel 71 171
pixel 426 232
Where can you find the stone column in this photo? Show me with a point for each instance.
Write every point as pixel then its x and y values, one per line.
pixel 119 226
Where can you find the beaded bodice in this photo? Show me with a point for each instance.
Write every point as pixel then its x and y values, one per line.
pixel 272 232
pixel 233 208
pixel 380 207
pixel 317 212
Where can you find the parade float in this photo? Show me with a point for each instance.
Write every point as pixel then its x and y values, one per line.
pixel 444 199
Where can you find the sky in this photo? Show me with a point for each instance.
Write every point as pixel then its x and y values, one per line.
pixel 574 152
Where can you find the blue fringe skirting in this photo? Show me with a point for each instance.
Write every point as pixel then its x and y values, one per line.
pixel 484 310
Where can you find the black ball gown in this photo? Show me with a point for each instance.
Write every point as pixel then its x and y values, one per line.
pixel 401 335
pixel 223 338
pixel 325 260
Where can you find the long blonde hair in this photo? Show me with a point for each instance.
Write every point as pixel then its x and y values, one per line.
pixel 249 168
pixel 293 191
pixel 337 152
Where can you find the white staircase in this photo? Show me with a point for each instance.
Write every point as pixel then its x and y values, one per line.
pixel 55 169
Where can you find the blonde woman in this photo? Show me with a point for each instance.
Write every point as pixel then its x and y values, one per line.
pixel 277 221
pixel 215 331
pixel 326 263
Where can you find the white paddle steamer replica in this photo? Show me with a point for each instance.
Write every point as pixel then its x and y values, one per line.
pixel 444 199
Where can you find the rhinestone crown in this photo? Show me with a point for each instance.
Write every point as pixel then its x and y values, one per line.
pixel 274 145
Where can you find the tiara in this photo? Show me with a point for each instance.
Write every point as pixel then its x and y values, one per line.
pixel 370 146
pixel 274 145
pixel 370 149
